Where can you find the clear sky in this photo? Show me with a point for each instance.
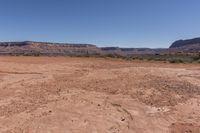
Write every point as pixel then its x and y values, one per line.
pixel 124 23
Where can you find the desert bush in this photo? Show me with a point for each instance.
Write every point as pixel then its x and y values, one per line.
pixel 37 53
pixel 196 58
pixel 114 56
pixel 133 58
pixel 175 60
pixel 150 59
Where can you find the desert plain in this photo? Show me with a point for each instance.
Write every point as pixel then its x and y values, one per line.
pixel 97 95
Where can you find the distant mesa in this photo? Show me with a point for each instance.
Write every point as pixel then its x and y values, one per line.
pixel 48 48
pixel 43 43
pixel 184 43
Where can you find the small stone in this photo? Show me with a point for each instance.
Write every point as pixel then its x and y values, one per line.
pixel 123 119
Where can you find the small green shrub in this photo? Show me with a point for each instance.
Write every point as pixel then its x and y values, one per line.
pixel 175 60
pixel 37 53
pixel 196 58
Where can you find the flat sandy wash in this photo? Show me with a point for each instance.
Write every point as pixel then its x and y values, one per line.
pixel 94 95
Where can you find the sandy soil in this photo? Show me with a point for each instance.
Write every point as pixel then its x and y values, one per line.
pixel 89 95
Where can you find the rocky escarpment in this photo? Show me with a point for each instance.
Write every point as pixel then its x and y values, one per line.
pixel 46 48
pixel 186 46
pixel 186 43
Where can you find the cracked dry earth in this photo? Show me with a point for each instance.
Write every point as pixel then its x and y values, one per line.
pixel 91 95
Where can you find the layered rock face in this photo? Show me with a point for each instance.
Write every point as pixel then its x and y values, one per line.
pixel 184 43
pixel 46 48
pixel 186 46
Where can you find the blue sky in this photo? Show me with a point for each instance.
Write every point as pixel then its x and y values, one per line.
pixel 124 23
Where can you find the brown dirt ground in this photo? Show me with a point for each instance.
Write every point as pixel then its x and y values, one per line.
pixel 93 95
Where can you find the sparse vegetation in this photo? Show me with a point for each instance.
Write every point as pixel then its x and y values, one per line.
pixel 171 58
pixel 176 60
pixel 37 53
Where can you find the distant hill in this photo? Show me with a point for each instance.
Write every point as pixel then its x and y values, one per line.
pixel 47 48
pixel 189 45
pixel 183 43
